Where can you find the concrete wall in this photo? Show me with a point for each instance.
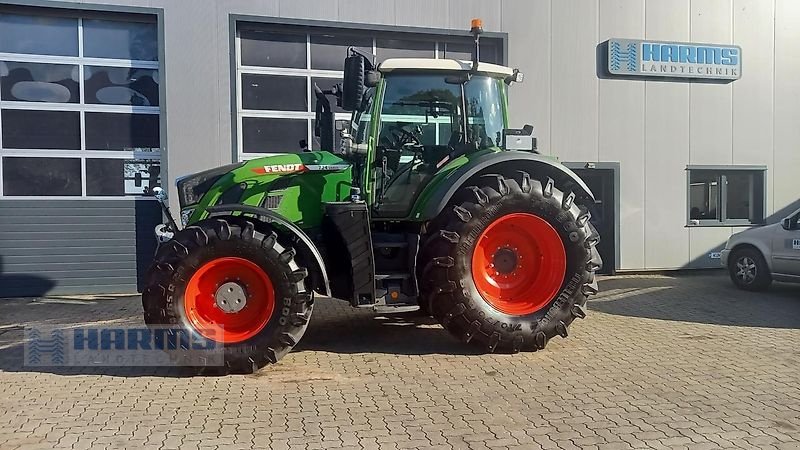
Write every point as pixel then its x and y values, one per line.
pixel 653 128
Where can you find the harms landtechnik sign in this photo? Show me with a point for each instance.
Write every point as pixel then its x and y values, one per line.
pixel 630 57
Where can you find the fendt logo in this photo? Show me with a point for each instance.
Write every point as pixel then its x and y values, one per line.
pixel 279 168
pixel 632 57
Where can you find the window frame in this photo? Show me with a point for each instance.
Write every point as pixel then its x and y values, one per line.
pixel 310 27
pixel 89 12
pixel 721 172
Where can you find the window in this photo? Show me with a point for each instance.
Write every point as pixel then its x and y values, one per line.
pixel 726 196
pixel 38 35
pixel 42 176
pixel 79 105
pixel 278 65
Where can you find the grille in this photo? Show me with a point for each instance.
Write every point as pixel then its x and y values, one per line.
pixel 272 201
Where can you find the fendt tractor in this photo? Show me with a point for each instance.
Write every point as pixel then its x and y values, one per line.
pixel 425 197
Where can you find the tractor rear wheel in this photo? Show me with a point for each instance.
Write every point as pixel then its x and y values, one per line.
pixel 228 282
pixel 510 263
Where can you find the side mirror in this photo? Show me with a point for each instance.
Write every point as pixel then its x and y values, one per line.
pixel 359 74
pixel 325 129
pixel 788 223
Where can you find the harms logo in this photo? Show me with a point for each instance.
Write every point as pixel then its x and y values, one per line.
pixel 639 58
pixel 118 346
pixel 623 58
pixel 279 168
pixel 44 347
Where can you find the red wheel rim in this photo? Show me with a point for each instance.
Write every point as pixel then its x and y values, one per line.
pixel 519 264
pixel 200 301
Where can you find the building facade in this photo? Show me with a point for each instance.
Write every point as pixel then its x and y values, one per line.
pixel 100 102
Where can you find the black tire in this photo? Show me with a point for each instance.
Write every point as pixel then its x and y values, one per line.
pixel 446 275
pixel 748 269
pixel 178 259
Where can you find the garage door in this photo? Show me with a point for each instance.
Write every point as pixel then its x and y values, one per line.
pixel 80 149
pixel 278 65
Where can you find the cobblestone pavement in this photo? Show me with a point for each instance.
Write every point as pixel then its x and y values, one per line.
pixel 662 362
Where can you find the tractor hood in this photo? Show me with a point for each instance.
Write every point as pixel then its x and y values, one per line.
pixel 191 188
pixel 282 183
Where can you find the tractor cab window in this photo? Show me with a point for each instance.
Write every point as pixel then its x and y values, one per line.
pixel 361 120
pixel 422 126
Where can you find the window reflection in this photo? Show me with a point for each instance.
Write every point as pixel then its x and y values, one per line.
pixel 109 177
pixel 35 82
pixel 117 131
pixel 121 86
pixel 38 35
pixel 41 176
pixel 24 129
pixel 120 40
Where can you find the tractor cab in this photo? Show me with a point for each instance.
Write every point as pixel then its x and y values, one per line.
pixel 411 117
pixel 427 112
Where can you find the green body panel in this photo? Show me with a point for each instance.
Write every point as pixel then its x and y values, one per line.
pixel 441 181
pixel 302 179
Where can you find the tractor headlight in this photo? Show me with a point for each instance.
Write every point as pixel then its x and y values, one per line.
pixel 186 214
pixel 191 188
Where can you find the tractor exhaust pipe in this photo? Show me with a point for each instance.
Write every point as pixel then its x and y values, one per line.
pixel 476 28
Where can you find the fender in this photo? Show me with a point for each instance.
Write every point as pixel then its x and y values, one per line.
pixel 485 163
pixel 271 217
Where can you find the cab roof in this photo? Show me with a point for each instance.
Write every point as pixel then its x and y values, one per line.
pixel 394 64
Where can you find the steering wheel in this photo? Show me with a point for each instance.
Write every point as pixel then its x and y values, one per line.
pixel 401 137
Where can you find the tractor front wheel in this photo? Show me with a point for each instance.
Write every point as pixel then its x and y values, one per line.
pixel 510 263
pixel 228 282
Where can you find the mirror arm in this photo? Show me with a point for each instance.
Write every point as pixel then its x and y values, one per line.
pixel 369 59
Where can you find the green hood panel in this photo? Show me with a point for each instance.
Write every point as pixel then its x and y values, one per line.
pixel 296 186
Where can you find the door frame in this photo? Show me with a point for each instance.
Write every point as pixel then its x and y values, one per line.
pixel 615 169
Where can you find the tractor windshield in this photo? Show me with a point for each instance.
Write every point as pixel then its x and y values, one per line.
pixel 431 107
pixel 426 119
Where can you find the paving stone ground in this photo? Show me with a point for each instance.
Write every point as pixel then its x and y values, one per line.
pixel 661 362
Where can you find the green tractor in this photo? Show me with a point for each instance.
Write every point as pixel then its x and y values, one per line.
pixel 426 198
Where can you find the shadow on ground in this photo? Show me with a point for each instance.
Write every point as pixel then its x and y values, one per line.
pixel 70 312
pixel 337 328
pixel 408 333
pixel 706 298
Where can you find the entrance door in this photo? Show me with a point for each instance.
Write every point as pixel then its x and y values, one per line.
pixel 601 182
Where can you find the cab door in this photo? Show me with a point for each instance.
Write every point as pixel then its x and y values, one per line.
pixel 786 248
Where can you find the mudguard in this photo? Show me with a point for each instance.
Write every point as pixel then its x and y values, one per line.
pixel 270 217
pixel 487 163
